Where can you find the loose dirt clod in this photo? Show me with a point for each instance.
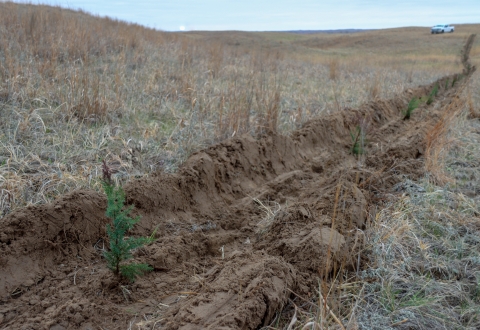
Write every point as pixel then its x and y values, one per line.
pixel 205 276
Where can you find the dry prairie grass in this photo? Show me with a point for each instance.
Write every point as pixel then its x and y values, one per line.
pixel 76 89
pixel 422 264
pixel 423 248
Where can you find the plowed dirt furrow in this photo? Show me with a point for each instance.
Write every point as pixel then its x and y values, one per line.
pixel 240 226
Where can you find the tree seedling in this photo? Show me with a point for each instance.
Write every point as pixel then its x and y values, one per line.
pixel 121 247
pixel 432 95
pixel 412 105
pixel 456 78
pixel 358 141
pixel 358 135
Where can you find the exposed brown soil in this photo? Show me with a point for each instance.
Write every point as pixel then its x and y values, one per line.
pixel 218 262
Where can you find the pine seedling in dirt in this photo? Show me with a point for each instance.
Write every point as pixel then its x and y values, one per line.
pixel 357 148
pixel 456 78
pixel 446 83
pixel 432 95
pixel 358 136
pixel 454 81
pixel 412 105
pixel 121 247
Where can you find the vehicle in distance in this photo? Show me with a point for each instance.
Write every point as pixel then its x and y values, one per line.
pixel 443 28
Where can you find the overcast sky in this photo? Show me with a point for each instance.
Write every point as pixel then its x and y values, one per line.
pixel 278 15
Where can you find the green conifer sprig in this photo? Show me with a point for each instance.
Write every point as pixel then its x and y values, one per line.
pixel 455 78
pixel 412 105
pixel 358 135
pixel 121 247
pixel 432 95
pixel 357 145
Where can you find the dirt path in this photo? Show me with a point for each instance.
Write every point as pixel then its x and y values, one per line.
pixel 240 226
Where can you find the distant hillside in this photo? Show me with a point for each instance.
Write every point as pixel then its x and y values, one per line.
pixel 328 31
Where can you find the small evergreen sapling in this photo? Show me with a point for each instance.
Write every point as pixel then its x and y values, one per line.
pixel 455 79
pixel 432 95
pixel 357 145
pixel 358 135
pixel 121 247
pixel 412 105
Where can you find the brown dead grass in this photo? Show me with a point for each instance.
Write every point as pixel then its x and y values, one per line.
pixel 423 246
pixel 437 141
pixel 76 89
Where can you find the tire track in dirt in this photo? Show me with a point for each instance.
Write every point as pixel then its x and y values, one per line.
pixel 221 261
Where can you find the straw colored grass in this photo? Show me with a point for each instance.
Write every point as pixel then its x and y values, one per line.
pixel 76 89
pixel 424 247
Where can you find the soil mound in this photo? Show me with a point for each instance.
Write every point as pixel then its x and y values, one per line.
pixel 240 226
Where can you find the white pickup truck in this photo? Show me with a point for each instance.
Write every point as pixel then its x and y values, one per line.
pixel 443 28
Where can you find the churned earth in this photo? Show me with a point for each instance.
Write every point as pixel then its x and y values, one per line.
pixel 241 226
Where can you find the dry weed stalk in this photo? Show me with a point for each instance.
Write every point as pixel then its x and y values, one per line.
pixel 333 69
pixel 269 214
pixel 375 88
pixel 329 251
pixel 337 95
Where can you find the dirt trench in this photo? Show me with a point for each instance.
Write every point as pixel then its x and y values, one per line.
pixel 239 227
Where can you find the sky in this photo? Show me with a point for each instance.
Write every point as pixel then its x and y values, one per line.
pixel 280 15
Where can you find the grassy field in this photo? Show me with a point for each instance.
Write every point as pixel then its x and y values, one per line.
pixel 76 90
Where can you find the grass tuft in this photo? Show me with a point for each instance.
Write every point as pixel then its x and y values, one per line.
pixel 270 211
